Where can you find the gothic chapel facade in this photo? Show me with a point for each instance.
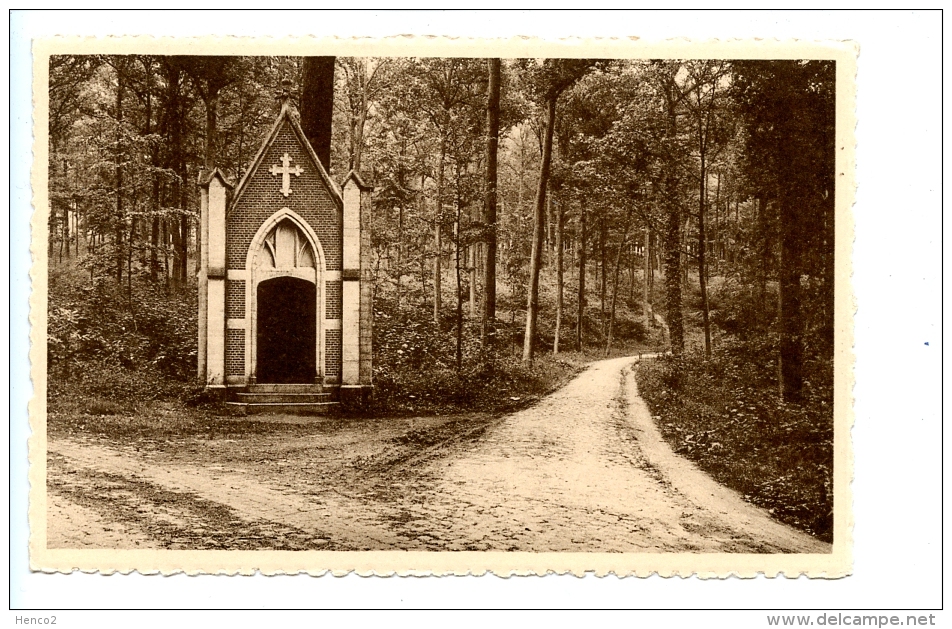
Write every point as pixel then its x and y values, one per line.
pixel 285 292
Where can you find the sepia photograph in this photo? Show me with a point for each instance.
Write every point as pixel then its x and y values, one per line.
pixel 518 313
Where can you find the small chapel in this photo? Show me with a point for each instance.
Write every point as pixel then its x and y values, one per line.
pixel 285 291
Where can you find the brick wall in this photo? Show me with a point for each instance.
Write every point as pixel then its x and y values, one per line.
pixel 332 299
pixel 234 352
pixel 332 355
pixel 262 197
pixel 234 299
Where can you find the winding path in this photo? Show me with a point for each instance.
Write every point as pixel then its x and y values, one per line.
pixel 583 470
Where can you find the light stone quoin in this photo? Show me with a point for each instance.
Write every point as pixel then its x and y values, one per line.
pixel 285 288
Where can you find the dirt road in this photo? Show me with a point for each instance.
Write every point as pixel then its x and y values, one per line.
pixel 582 470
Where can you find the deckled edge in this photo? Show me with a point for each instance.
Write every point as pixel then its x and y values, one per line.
pixel 703 566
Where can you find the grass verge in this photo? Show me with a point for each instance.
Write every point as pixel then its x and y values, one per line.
pixel 726 416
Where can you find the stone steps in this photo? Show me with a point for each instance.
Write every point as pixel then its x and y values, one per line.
pixel 284 408
pixel 283 399
pixel 284 388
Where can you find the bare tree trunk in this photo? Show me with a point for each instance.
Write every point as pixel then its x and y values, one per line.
pixel 702 259
pixel 489 211
pixel 76 227
pixel 603 283
pixel 672 279
pixel 183 243
pixel 472 280
pixel 459 288
pixel 317 105
pixel 764 254
pixel 632 255
pixel 717 229
pixel 649 319
pixel 438 237
pixel 66 236
pixel 791 321
pixel 559 275
pixel 423 277
pixel 535 263
pixel 165 251
pixel 120 217
pixel 132 233
pixel 581 281
pixel 399 257
pixel 611 316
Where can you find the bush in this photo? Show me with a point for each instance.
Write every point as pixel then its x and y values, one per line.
pixel 105 345
pixel 415 366
pixel 727 416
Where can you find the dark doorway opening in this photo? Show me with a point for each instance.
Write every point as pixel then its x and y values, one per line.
pixel 287 336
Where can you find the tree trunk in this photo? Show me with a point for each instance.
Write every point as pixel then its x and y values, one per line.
pixel 317 105
pixel 673 245
pixel 438 238
pixel 535 263
pixel 611 316
pixel 120 215
pixel 702 259
pixel 791 321
pixel 764 255
pixel 603 280
pixel 489 210
pixel 559 276
pixel 211 131
pixel 422 257
pixel 649 318
pixel 399 272
pixel 165 252
pixel 154 199
pixel 581 280
pixel 132 235
pixel 183 243
pixel 472 280
pixel 717 227
pixel 672 277
pixel 459 287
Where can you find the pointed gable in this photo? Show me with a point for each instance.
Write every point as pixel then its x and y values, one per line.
pixel 286 131
pixel 285 173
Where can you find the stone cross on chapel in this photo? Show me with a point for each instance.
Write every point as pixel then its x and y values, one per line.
pixel 286 171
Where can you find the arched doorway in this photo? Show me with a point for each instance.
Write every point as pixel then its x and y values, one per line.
pixel 287 331
pixel 285 302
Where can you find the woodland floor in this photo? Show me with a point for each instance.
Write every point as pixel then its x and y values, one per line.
pixel 584 469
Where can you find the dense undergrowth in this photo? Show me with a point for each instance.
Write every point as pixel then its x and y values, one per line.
pixel 415 363
pixel 112 353
pixel 725 414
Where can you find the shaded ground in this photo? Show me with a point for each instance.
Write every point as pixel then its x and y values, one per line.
pixel 582 470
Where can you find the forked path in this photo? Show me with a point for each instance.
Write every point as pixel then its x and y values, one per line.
pixel 583 470
pixel 586 470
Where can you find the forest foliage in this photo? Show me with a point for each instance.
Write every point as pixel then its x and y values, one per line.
pixel 631 204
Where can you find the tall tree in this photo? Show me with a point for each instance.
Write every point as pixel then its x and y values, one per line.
pixel 665 77
pixel 447 93
pixel 789 110
pixel 211 74
pixel 553 78
pixel 360 81
pixel 706 107
pixel 489 207
pixel 317 105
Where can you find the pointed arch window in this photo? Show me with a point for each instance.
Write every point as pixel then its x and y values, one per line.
pixel 286 247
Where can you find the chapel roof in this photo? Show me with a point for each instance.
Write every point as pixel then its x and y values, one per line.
pixel 288 114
